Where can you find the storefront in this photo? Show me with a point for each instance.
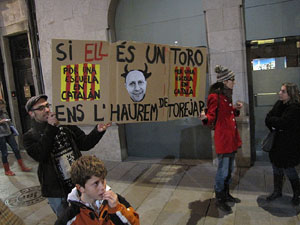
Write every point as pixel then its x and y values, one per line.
pixel 258 40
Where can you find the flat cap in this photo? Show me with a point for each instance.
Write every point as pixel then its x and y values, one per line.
pixel 33 100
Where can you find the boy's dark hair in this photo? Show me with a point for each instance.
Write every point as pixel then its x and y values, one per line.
pixel 85 167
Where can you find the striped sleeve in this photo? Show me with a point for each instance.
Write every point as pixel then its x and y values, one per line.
pixel 123 213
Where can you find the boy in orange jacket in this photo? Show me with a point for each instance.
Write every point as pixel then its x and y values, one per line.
pixel 92 201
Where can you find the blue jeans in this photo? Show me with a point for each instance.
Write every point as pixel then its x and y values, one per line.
pixel 224 171
pixel 12 143
pixel 290 172
pixel 58 205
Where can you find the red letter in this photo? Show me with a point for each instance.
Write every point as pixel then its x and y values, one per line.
pixel 100 54
pixel 87 52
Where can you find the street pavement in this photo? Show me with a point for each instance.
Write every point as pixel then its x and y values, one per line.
pixel 164 192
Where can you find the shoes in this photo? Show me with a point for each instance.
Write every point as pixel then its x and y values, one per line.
pixel 221 202
pixel 295 200
pixel 230 198
pixel 22 166
pixel 7 170
pixel 277 193
pixel 223 206
pixel 9 173
pixel 296 189
pixel 274 196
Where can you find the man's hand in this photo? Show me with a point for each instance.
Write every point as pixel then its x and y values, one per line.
pixel 4 120
pixel 202 115
pixel 102 127
pixel 111 198
pixel 52 119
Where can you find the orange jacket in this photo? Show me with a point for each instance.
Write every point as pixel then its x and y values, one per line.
pixel 80 214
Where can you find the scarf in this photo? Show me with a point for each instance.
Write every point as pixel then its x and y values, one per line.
pixel 228 93
pixel 63 153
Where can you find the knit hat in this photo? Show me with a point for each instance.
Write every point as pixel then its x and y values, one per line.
pixel 33 100
pixel 223 73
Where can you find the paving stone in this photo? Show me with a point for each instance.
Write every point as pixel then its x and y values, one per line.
pixel 138 191
pixel 127 177
pixel 172 191
pixel 185 206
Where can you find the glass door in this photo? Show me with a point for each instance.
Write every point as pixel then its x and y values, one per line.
pixel 272 62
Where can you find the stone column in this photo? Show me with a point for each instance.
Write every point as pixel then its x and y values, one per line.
pixel 226 47
pixel 83 20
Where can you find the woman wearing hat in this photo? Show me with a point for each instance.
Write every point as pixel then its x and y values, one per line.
pixel 6 136
pixel 221 114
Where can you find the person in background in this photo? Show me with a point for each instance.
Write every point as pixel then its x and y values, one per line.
pixel 55 147
pixel 92 200
pixel 284 118
pixel 221 114
pixel 6 136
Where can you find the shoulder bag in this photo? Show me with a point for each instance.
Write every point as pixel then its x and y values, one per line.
pixel 268 141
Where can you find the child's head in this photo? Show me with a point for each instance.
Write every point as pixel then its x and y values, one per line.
pixel 85 167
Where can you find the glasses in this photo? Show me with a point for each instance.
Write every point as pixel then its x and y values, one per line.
pixel 42 107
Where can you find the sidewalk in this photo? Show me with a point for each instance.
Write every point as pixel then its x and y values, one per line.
pixel 165 191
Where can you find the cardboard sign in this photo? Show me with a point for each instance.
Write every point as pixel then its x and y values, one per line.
pixel 187 82
pixel 95 81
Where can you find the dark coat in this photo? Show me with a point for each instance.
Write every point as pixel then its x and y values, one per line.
pixel 38 142
pixel 285 118
pixel 227 138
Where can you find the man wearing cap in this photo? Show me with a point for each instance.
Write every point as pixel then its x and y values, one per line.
pixel 221 114
pixel 55 147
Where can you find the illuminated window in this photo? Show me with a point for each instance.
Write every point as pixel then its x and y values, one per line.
pixel 269 63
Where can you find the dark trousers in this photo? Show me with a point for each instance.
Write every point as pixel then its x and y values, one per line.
pixel 290 172
pixel 12 143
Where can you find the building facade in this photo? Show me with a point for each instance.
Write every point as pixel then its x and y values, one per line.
pixel 238 34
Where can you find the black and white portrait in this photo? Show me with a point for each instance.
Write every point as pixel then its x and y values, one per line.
pixel 136 83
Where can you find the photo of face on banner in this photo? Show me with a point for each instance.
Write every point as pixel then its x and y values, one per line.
pixel 136 83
